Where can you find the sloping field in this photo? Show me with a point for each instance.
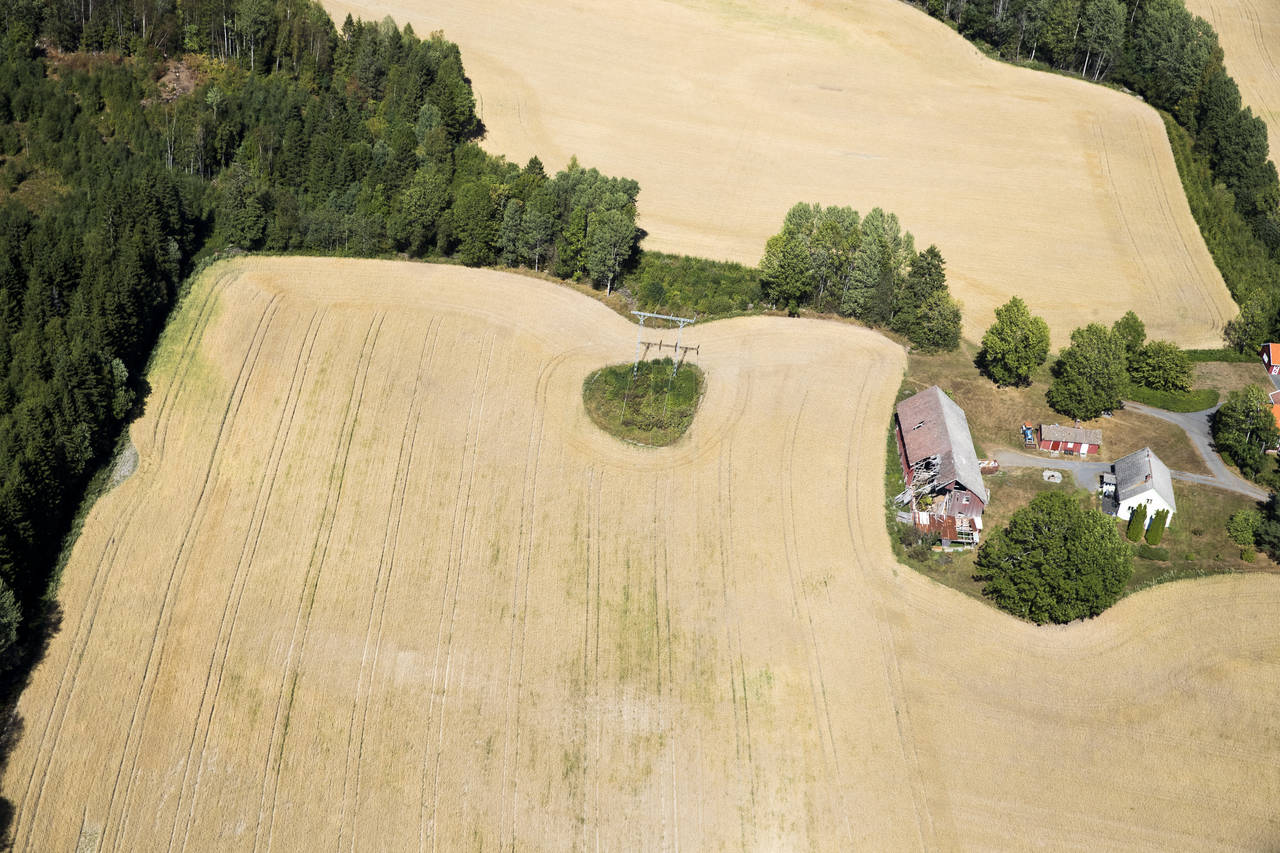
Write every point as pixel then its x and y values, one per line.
pixel 1249 32
pixel 728 113
pixel 379 584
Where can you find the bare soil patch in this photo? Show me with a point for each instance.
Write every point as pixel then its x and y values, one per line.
pixel 381 582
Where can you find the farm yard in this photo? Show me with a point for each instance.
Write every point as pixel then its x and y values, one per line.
pixel 379 581
pixel 1034 184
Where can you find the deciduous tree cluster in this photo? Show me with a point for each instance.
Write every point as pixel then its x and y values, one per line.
pixel 831 259
pixel 1055 562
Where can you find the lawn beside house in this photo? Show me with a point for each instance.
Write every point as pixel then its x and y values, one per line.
pixel 997 414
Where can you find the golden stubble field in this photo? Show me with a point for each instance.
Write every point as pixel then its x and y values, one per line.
pixel 729 112
pixel 379 584
pixel 1249 32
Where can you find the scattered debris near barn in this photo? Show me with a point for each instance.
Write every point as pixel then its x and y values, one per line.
pixel 944 493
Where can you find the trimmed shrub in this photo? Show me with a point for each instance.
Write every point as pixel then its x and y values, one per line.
pixel 1137 521
pixel 1155 530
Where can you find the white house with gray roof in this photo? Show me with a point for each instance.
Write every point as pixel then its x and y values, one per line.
pixel 1139 478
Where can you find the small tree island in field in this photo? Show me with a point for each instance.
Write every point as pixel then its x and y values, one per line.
pixel 1056 561
pixel 653 407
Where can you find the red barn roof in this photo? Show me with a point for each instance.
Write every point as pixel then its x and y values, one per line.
pixel 1269 353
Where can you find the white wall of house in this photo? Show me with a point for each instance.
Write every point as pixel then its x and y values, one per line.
pixel 1154 503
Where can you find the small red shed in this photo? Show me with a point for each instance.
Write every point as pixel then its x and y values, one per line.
pixel 1270 356
pixel 1070 440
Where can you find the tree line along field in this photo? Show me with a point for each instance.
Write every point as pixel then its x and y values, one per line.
pixel 379 583
pixel 1029 183
pixel 1249 31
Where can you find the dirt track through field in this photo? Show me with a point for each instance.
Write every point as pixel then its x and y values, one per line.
pixel 728 113
pixel 1249 32
pixel 379 583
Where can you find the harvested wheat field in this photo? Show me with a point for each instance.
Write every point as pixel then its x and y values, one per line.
pixel 378 583
pixel 728 113
pixel 1249 32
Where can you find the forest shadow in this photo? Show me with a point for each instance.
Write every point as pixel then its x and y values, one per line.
pixel 31 648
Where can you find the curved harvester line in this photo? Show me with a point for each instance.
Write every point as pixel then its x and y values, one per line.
pixel 235 592
pixel 146 690
pixel 102 579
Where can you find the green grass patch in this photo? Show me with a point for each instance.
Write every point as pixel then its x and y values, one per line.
pixel 679 284
pixel 651 407
pixel 1223 354
pixel 1174 401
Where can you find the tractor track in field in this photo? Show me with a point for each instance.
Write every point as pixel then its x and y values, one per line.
pixel 382 584
pixel 302 620
pixel 458 543
pixel 733 633
pixel 519 593
pixel 925 826
pixel 235 591
pixel 190 351
pixel 177 571
pixel 804 611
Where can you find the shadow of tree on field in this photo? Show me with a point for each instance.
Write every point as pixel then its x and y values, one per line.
pixel 31 648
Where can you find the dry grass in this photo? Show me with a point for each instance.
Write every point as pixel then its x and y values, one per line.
pixel 996 414
pixel 1249 31
pixel 728 113
pixel 379 582
pixel 1230 376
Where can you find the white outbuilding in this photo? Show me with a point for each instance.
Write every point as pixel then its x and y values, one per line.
pixel 1139 478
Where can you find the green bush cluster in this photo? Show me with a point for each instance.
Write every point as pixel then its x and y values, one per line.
pixel 649 403
pixel 681 285
pixel 1155 530
pixel 1224 354
pixel 832 259
pixel 1055 561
